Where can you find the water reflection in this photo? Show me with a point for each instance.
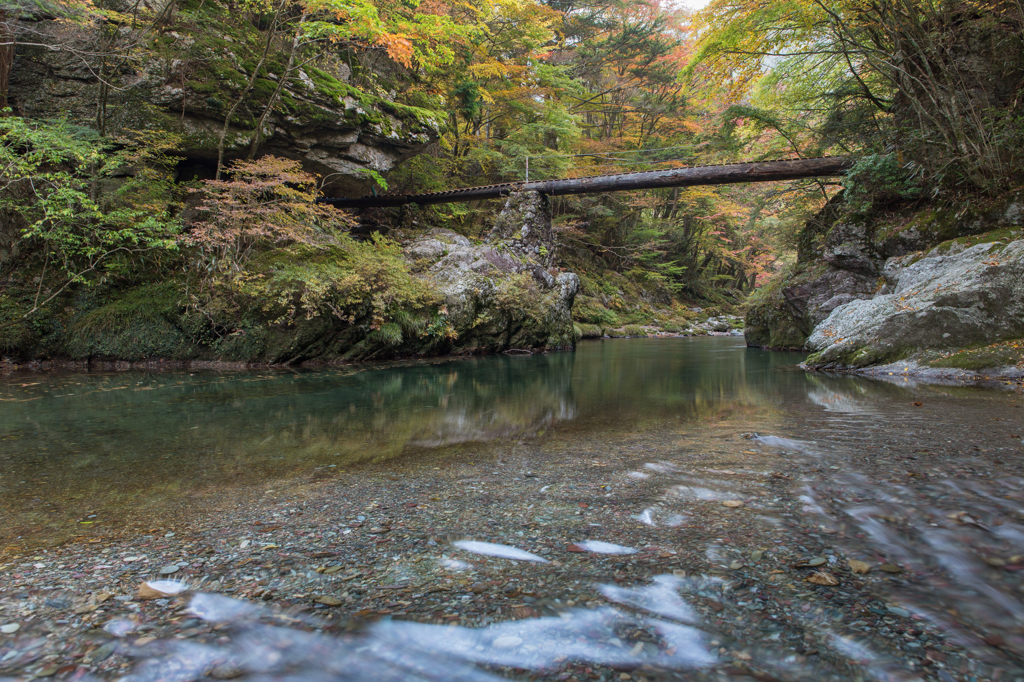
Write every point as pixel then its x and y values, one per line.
pixel 77 450
pixel 84 451
pixel 750 477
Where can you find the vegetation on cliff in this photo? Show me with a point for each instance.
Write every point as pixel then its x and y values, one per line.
pixel 197 136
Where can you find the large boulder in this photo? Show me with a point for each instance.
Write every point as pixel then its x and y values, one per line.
pixel 846 258
pixel 502 293
pixel 784 313
pixel 943 301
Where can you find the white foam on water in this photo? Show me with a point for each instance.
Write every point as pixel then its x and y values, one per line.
pixel 599 547
pixel 496 550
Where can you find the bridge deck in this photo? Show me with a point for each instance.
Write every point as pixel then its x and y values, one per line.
pixel 729 173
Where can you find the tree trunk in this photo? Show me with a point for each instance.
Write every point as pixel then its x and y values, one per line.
pixel 761 171
pixel 6 56
pixel 271 32
pixel 277 91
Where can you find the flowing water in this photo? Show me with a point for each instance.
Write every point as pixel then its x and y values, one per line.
pixel 736 457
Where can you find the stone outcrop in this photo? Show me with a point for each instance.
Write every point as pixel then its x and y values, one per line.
pixel 786 313
pixel 941 302
pixel 927 288
pixel 185 85
pixel 503 292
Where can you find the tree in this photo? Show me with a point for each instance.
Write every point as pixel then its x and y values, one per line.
pixel 935 81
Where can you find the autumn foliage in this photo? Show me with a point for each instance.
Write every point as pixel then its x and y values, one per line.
pixel 266 203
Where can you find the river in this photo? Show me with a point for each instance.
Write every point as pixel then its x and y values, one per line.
pixel 725 513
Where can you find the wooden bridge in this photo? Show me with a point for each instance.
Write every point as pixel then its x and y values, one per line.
pixel 723 174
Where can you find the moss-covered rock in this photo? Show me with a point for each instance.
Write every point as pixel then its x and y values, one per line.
pixel 343 300
pixel 192 73
pixel 846 257
pixel 502 293
pixel 941 303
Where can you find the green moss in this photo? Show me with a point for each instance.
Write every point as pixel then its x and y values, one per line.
pixel 770 322
pixel 634 330
pixel 998 238
pixel 1002 354
pixel 863 356
pixel 262 89
pixel 204 87
pixel 416 119
pixel 134 325
pixel 15 333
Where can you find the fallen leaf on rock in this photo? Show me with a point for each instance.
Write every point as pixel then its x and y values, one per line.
pixel 918 404
pixel 859 566
pixel 101 597
pixel 328 600
pixel 822 578
pixel 891 568
pixel 732 504
pixel 88 608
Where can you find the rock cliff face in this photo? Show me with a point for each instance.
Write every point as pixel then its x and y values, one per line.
pixel 185 84
pixel 931 289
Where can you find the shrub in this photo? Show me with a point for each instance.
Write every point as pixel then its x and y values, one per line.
pixel 269 202
pixel 878 179
pixel 48 176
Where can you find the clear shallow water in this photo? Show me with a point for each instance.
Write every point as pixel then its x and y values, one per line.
pixel 82 451
pixel 840 467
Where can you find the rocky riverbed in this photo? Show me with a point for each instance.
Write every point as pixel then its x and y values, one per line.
pixel 888 551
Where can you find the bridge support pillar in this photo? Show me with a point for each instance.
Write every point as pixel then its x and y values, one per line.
pixel 525 224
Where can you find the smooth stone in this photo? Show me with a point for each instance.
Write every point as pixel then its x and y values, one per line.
pixel 756 555
pixel 10 628
pixel 891 568
pixel 817 561
pixel 507 642
pixel 897 611
pixel 169 569
pixel 735 565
